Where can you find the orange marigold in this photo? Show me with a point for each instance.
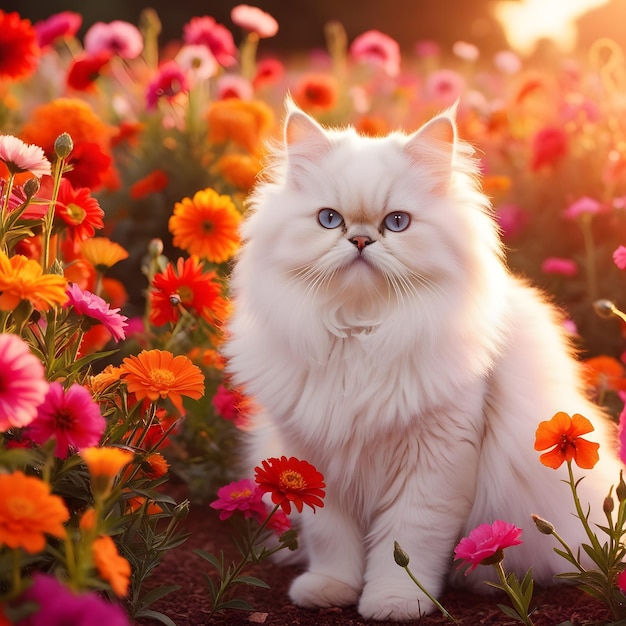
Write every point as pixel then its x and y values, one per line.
pixel 206 226
pixel 563 435
pixel 106 461
pixel 112 567
pixel 239 170
pixel 245 122
pixel 23 279
pixel 155 374
pixel 103 253
pixel 603 373
pixel 28 512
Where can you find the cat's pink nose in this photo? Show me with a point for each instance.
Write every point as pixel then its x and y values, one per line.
pixel 360 241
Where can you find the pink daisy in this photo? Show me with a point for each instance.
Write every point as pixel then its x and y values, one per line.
pixel 254 20
pixel 59 25
pixel 72 417
pixel 94 307
pixel 619 257
pixel 117 37
pixel 22 157
pixel 378 49
pixel 242 495
pixel 23 386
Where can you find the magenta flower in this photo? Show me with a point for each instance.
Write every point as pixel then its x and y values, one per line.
pixel 72 417
pixel 278 523
pixel 619 257
pixel 444 86
pixel 254 20
pixel 582 206
pixel 427 49
pixel 621 432
pixel 22 157
pixel 379 49
pixel 23 385
pixel 57 605
pixel 57 26
pixel 511 219
pixel 268 71
pixel 98 309
pixel 117 38
pixel 486 542
pixel 241 495
pixel 549 146
pixel 557 265
pixel 169 81
pixel 207 32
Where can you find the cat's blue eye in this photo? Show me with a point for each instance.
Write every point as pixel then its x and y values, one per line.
pixel 397 221
pixel 328 218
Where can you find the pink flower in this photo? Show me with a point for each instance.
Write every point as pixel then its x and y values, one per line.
pixel 233 86
pixel 621 581
pixel 268 71
pixel 242 495
pixel 72 417
pixel 96 308
pixel 619 257
pixel 486 542
pixel 23 385
pixel 582 206
pixel 169 81
pixel 378 49
pixel 557 265
pixel 231 405
pixel 58 605
pixel 549 146
pixel 444 86
pixel 254 20
pixel 507 62
pixel 197 61
pixel 64 24
pixel 117 37
pixel 22 157
pixel 511 219
pixel 621 432
pixel 207 32
pixel 426 48
pixel 466 51
pixel 279 523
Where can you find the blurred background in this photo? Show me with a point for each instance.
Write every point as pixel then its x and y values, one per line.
pixel 482 22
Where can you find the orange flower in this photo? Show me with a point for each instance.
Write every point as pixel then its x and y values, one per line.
pixel 103 253
pixel 28 512
pixel 603 373
pixel 88 520
pixel 23 279
pixel 206 226
pixel 245 122
pixel 291 480
pixel 112 567
pixel 105 461
pixel 155 374
pixel 136 502
pixel 563 434
pixel 239 170
pixel 107 377
pixel 154 466
pixel 372 126
pixel 316 91
pixel 153 182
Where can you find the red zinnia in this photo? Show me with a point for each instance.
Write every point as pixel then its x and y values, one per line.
pixel 187 285
pixel 19 52
pixel 80 212
pixel 291 480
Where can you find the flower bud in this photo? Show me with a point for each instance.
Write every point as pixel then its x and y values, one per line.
pixel 620 490
pixel 174 299
pixel 31 187
pixel 181 510
pixel 399 555
pixel 155 247
pixel 543 526
pixel 608 505
pixel 63 146
pixel 289 539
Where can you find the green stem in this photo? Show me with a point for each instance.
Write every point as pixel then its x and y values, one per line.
pixel 429 596
pixel 579 511
pixel 518 605
pixel 48 219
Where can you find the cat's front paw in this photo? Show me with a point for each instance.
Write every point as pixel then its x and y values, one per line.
pixel 389 604
pixel 311 590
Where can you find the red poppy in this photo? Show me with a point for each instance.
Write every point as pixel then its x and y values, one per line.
pixel 291 480
pixel 187 285
pixel 85 70
pixel 316 91
pixel 563 435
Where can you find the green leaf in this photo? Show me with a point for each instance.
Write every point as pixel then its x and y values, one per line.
pixel 156 594
pixel 218 564
pixel 251 580
pixel 155 615
pixel 236 603
pixel 507 610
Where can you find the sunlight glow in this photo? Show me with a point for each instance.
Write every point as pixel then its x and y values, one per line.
pixel 527 21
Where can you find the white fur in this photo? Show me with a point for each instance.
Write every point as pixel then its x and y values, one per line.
pixel 413 375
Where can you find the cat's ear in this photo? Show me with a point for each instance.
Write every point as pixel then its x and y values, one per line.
pixel 433 145
pixel 303 134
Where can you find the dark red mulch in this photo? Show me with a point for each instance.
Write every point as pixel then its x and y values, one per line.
pixel 190 605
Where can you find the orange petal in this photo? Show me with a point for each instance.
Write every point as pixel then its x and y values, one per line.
pixel 580 426
pixel 586 454
pixel 549 433
pixel 553 459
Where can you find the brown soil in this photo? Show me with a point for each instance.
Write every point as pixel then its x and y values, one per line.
pixel 190 605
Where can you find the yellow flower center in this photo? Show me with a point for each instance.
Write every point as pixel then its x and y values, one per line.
pixel 76 213
pixel 290 480
pixel 236 495
pixel 161 378
pixel 185 294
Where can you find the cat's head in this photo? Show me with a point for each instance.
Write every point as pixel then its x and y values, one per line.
pixel 359 225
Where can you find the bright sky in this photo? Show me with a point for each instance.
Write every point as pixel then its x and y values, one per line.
pixel 526 21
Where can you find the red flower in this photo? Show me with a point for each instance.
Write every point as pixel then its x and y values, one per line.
pixel 186 285
pixel 80 212
pixel 91 165
pixel 85 70
pixel 155 181
pixel 548 147
pixel 291 480
pixel 19 51
pixel 485 544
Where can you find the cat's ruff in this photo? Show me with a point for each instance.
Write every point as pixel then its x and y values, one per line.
pixel 412 371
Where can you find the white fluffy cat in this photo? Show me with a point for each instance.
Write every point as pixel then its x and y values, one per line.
pixel 386 342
